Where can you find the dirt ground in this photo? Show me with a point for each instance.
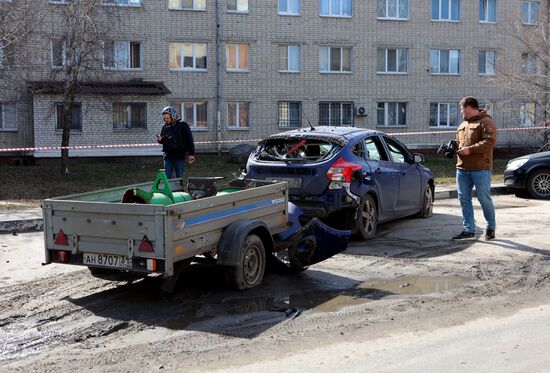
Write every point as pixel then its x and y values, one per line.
pixel 410 280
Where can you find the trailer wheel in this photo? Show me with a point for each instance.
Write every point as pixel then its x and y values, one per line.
pixel 250 271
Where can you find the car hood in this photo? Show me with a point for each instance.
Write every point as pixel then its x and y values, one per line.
pixel 535 156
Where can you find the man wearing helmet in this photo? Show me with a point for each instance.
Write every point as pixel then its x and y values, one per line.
pixel 177 143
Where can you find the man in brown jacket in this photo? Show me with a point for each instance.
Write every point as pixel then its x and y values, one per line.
pixel 476 137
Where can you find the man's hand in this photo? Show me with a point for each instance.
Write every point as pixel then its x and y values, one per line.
pixel 464 151
pixel 190 159
pixel 159 138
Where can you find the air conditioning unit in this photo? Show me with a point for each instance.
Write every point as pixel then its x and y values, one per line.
pixel 361 110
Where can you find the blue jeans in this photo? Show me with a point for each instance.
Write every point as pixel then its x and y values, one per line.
pixel 170 165
pixel 465 181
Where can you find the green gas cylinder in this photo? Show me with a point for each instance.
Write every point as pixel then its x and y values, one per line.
pixel 160 194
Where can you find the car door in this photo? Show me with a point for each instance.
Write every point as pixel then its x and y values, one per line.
pixel 410 186
pixel 384 175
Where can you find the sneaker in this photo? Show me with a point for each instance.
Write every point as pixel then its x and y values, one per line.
pixel 464 236
pixel 489 234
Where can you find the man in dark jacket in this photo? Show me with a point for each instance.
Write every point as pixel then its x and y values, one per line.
pixel 476 137
pixel 177 143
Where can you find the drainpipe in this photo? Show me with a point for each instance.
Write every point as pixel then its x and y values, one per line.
pixel 218 79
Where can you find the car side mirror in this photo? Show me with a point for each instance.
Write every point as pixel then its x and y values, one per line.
pixel 418 158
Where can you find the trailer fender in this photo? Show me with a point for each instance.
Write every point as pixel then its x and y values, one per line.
pixel 234 236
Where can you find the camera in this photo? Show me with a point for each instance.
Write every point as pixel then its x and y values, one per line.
pixel 448 149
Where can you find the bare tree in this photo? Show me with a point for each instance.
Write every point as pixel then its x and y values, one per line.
pixel 524 74
pixel 85 25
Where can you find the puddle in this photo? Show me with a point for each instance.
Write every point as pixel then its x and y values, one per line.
pixel 318 300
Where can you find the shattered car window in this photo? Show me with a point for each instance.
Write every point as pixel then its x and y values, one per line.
pixel 296 150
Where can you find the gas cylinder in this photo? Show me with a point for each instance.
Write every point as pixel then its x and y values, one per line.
pixel 160 194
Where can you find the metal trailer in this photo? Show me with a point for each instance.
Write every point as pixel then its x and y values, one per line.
pixel 235 230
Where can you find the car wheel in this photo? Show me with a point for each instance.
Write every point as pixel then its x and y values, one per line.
pixel 538 184
pixel 427 203
pixel 250 271
pixel 366 218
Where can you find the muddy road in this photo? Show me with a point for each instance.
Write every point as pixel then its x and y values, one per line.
pixel 411 280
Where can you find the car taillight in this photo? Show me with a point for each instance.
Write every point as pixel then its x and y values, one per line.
pixel 342 170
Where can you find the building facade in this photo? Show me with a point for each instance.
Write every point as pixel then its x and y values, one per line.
pixel 239 70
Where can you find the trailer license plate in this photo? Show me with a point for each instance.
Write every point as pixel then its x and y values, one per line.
pixel 105 260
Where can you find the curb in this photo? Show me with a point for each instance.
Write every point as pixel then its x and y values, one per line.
pixel 452 193
pixel 20 226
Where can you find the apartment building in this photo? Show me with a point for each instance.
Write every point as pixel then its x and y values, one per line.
pixel 239 70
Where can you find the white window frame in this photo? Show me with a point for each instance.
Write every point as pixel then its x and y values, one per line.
pixel 530 63
pixel 128 60
pixel 4 106
pixel 530 10
pixel 63 54
pixel 289 12
pixel 490 58
pixel 131 3
pixel 198 5
pixel 398 55
pixel 386 6
pixel 448 108
pixel 288 48
pixel 193 121
pixel 340 10
pixel 449 7
pixel 237 54
pixel 194 56
pixel 527 114
pixel 129 117
pixel 341 108
pixel 387 108
pixel 326 49
pixel 449 62
pixel 245 6
pixel 490 7
pixel 238 125
pixel 288 109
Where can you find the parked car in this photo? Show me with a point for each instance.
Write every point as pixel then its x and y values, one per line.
pixel 349 177
pixel 530 172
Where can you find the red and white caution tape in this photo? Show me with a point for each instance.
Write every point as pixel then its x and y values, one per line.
pixel 241 141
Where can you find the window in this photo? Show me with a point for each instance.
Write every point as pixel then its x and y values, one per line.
pixel 6 54
pixel 290 114
pixel 237 57
pixel 444 61
pixel 375 149
pixel 237 6
pixel 397 151
pixel 238 115
pixel 187 56
pixel 122 55
pixel 123 2
pixel 335 8
pixel 444 114
pixel 391 60
pixel 194 113
pixel 76 116
pixel 335 59
pixel 289 58
pixel 289 7
pixel 487 62
pixel 529 12
pixel 127 115
pixel 391 114
pixel 61 1
pixel 336 113
pixel 487 10
pixel 393 9
pixel 58 53
pixel 529 63
pixel 445 10
pixel 187 4
pixel 527 114
pixel 8 117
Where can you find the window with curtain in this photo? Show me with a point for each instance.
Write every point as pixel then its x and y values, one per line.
pixel 128 115
pixel 76 116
